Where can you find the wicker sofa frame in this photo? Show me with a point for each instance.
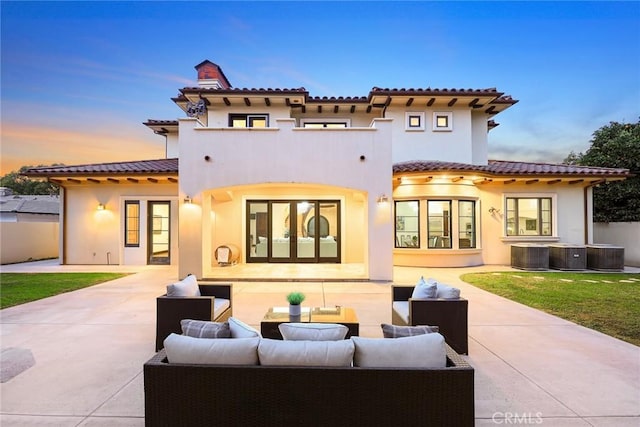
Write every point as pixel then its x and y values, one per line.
pixel 200 395
pixel 450 315
pixel 171 310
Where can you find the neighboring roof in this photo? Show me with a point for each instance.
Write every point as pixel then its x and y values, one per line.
pixel 509 168
pixel 36 204
pixel 140 167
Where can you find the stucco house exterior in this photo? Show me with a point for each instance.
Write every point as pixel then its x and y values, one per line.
pixel 395 177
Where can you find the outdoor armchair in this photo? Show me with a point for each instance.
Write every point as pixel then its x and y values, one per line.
pixel 214 304
pixel 449 315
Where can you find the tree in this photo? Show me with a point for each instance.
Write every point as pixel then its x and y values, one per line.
pixel 616 145
pixel 21 184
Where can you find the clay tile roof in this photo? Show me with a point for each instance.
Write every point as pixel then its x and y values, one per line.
pixel 435 91
pixel 161 166
pixel 249 91
pixel 508 168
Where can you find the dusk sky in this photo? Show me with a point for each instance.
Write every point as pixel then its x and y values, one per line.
pixel 79 78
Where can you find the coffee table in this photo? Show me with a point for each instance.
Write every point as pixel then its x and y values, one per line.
pixel 342 315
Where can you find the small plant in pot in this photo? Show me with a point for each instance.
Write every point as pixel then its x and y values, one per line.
pixel 295 299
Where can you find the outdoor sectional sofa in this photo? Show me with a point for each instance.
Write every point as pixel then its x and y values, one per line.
pixel 181 394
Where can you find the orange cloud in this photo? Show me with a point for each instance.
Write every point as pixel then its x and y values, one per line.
pixel 24 144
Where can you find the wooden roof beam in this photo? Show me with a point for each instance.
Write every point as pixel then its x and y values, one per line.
pixel 409 102
pixel 353 109
pixel 154 180
pixel 509 181
pixel 247 102
pixel 531 181
pixel 95 181
pixel 267 101
pixel 135 181
pixel 335 109
pixel 226 101
pixel 74 180
pixel 113 180
pixel 554 181
pixel 482 181
pixel 457 178
pixel 452 102
pixel 172 179
pixel 319 108
pixel 430 102
pixel 576 181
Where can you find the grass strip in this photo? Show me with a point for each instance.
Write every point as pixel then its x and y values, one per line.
pixel 20 288
pixel 606 302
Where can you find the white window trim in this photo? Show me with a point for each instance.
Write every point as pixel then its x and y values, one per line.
pixel 407 118
pixel 448 115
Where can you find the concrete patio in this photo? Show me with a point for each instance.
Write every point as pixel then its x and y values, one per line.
pixel 76 359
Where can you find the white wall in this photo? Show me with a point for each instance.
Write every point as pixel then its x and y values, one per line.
pixel 446 146
pixel 94 236
pixel 625 234
pixel 288 155
pixel 23 241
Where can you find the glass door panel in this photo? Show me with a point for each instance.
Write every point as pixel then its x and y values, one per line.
pixel 258 230
pixel 328 224
pixel 281 236
pixel 159 233
pixel 305 241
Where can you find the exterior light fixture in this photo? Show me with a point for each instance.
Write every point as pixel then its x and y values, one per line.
pixel 383 199
pixel 101 206
pixel 187 200
pixel 493 210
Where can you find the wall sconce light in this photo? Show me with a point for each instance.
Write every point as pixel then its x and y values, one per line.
pixel 101 206
pixel 493 210
pixel 187 200
pixel 383 199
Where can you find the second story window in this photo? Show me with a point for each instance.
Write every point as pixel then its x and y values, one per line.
pixel 248 120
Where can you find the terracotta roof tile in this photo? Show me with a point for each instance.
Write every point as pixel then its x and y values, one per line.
pixel 501 167
pixel 168 166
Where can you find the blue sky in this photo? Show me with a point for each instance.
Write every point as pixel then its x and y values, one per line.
pixel 79 78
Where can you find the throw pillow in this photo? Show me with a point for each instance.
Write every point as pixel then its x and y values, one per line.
pixel 447 292
pixel 210 351
pixel 394 331
pixel 312 331
pixel 205 329
pixel 305 353
pixel 187 287
pixel 239 329
pixel 424 289
pixel 420 351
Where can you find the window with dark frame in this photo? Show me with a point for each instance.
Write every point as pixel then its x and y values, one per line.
pixel 132 223
pixel 439 224
pixel 248 120
pixel 529 216
pixel 407 229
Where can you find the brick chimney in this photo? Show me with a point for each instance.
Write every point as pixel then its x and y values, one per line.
pixel 211 76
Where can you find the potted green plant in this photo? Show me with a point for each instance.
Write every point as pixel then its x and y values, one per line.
pixel 295 299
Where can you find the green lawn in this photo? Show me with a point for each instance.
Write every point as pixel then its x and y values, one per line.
pixel 606 302
pixel 19 288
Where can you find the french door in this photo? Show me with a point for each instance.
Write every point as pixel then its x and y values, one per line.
pixel 159 232
pixel 293 231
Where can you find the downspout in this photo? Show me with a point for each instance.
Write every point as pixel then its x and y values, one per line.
pixel 586 208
